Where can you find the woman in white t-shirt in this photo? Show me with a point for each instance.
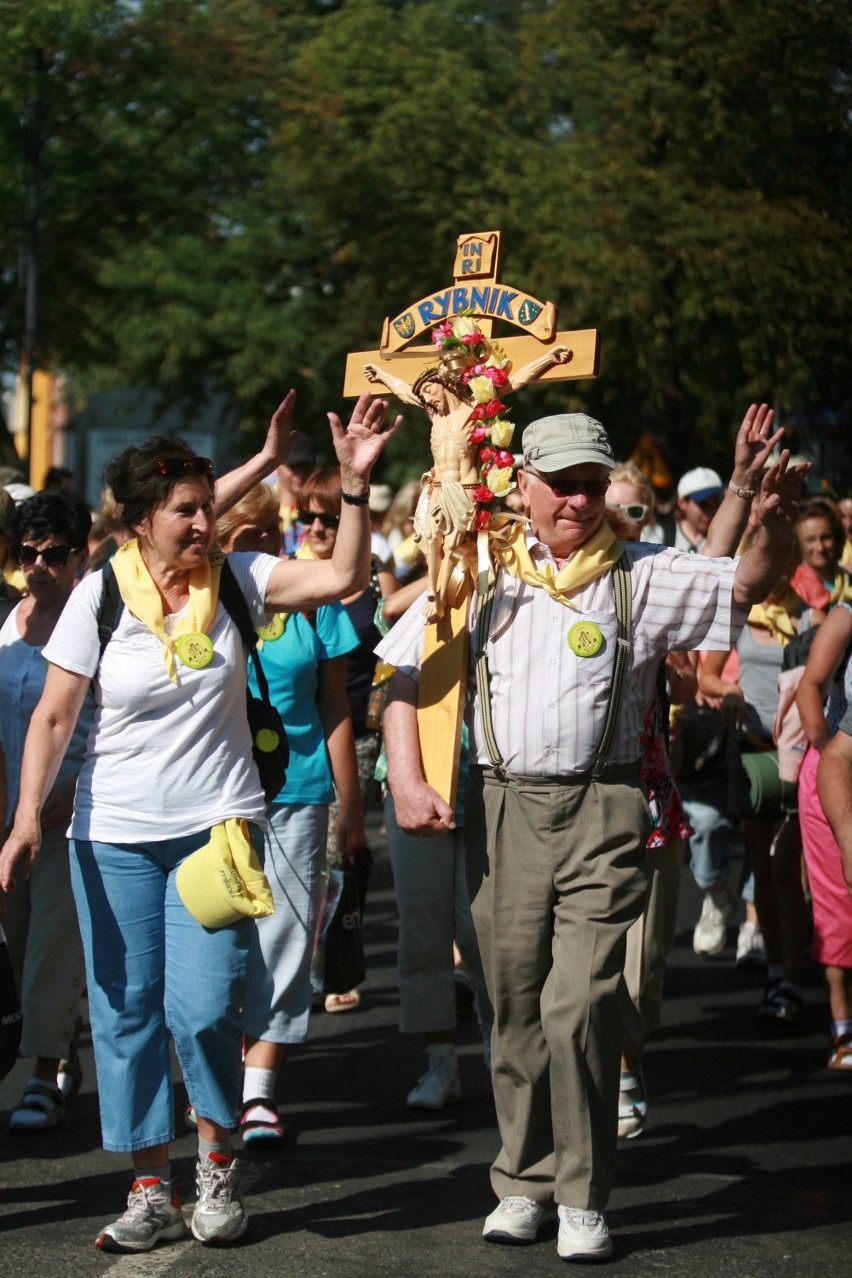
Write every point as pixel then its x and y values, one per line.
pixel 168 762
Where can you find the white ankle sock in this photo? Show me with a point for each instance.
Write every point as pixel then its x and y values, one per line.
pixel 258 1084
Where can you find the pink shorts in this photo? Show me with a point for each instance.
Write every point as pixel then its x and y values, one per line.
pixel 832 904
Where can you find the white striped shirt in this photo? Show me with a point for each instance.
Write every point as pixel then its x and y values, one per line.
pixel 549 705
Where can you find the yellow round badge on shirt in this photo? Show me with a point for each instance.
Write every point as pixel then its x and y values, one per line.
pixel 585 638
pixel 195 650
pixel 266 740
pixel 273 629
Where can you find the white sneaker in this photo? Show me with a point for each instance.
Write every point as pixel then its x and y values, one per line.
pixel 716 912
pixel 750 949
pixel 583 1234
pixel 438 1087
pixel 514 1220
pixel 632 1105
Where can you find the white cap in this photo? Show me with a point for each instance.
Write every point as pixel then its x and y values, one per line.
pixel 699 484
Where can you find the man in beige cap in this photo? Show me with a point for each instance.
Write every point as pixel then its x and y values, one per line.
pixel 556 819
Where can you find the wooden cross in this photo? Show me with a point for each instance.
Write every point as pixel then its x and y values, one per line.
pixel 477 287
pixel 542 354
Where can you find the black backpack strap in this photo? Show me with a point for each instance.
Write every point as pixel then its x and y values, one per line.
pixel 110 607
pixel 234 602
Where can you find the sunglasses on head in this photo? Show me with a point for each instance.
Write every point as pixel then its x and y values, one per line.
pixel 307 517
pixel 178 467
pixel 632 509
pixel 51 556
pixel 571 487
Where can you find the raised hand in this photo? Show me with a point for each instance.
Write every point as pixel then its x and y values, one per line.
pixel 780 490
pixel 280 436
pixel 753 445
pixel 359 444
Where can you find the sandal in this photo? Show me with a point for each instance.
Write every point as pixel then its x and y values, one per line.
pixel 841 1052
pixel 261 1126
pixel 349 1002
pixel 40 1107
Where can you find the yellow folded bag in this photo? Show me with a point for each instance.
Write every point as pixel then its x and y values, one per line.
pixel 224 881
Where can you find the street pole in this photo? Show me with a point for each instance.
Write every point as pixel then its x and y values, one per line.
pixel 30 264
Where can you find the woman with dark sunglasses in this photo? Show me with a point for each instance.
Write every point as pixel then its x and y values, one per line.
pixel 168 771
pixel 49 535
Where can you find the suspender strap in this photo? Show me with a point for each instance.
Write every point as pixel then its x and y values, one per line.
pixel 624 617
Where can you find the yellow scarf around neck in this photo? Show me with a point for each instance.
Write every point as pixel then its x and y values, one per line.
pixel 776 618
pixel 142 597
pixel 592 560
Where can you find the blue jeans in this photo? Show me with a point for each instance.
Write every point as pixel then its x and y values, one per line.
pixel 710 845
pixel 154 971
pixel 279 995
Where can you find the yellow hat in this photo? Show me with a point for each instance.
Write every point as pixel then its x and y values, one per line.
pixel 224 881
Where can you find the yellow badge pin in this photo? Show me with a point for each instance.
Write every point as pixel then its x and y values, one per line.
pixel 585 638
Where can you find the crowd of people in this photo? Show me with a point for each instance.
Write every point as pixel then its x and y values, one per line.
pixel 644 731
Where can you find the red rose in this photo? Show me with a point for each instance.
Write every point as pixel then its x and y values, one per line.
pixel 498 376
pixel 478 412
pixel 486 454
pixel 482 493
pixel 477 434
pixel 504 458
pixel 493 408
pixel 481 519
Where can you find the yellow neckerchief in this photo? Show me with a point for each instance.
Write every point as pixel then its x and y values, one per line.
pixel 305 551
pixel 777 617
pixel 142 597
pixel 592 560
pixel 841 590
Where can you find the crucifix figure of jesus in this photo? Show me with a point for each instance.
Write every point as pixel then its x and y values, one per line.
pixel 446 511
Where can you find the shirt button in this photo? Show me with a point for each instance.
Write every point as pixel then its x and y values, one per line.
pixel 552 705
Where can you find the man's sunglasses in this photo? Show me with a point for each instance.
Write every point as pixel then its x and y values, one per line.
pixel 307 517
pixel 51 556
pixel 632 509
pixel 178 467
pixel 571 487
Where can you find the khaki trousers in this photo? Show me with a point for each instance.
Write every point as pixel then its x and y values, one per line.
pixel 46 951
pixel 556 876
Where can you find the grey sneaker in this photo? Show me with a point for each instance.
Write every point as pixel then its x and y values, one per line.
pixel 716 912
pixel 219 1217
pixel 438 1087
pixel 153 1214
pixel 583 1235
pixel 515 1219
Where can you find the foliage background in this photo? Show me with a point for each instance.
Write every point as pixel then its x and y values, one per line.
pixel 235 193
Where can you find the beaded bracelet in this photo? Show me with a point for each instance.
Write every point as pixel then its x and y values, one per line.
pixel 356 499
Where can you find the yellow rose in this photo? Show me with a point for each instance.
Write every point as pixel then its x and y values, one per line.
pixel 463 326
pixel 499 358
pixel 499 480
pixel 500 432
pixel 482 389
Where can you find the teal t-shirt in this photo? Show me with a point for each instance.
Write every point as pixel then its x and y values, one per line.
pixel 291 666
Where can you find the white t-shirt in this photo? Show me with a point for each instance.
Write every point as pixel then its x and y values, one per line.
pixel 163 759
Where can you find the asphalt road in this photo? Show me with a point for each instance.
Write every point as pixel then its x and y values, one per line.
pixel 745 1167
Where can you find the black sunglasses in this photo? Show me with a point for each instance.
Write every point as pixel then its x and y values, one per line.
pixel 177 467
pixel 51 556
pixel 571 487
pixel 307 517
